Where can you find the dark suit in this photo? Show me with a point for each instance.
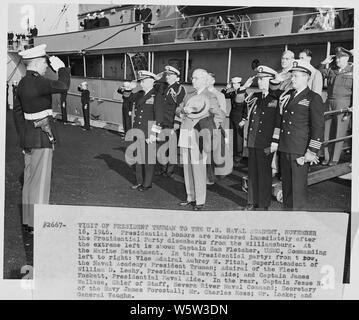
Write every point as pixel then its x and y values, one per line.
pixel 34 102
pixel 302 129
pixel 264 121
pixel 237 114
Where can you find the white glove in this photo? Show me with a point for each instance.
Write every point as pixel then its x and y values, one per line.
pixel 242 123
pixel 56 63
pixel 273 147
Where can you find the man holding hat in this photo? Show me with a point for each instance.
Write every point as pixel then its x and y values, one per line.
pixel 262 140
pixel 33 117
pixel 301 135
pixel 340 96
pixel 145 120
pixel 194 151
pixel 237 115
pixel 173 96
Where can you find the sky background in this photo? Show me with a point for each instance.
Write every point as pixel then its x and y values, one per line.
pixel 46 17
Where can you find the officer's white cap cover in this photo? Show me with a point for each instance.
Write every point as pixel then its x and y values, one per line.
pixel 144 74
pixel 264 71
pixel 35 52
pixel 300 65
pixel 172 70
pixel 236 80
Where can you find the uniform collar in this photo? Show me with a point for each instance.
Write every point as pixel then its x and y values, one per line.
pixel 347 68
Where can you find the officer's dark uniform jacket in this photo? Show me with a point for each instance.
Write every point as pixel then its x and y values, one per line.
pixel 173 96
pixel 239 107
pixel 302 124
pixel 145 111
pixel 264 121
pixel 340 83
pixel 34 95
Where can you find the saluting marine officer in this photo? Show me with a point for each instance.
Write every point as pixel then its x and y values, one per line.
pixel 33 116
pixel 173 96
pixel 301 135
pixel 85 101
pixel 262 141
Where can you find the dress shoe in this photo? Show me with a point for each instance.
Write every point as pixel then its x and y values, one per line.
pixel 198 207
pixel 332 163
pixel 250 207
pixel 142 188
pixel 135 186
pixel 325 162
pixel 187 203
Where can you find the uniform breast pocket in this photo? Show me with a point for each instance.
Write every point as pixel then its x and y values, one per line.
pixel 348 81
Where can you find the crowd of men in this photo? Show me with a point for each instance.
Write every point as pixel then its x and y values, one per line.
pixel 284 121
pixel 95 20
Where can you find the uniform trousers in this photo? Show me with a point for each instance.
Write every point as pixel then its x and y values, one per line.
pixel 126 119
pixel 195 175
pixel 37 182
pixel 259 178
pixel 169 167
pixel 145 169
pixel 86 115
pixel 341 127
pixel 237 137
pixel 63 111
pixel 294 181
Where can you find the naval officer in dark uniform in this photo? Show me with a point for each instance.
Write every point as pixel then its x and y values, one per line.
pixel 33 117
pixel 127 105
pixel 262 141
pixel 237 115
pixel 301 135
pixel 85 101
pixel 173 96
pixel 145 120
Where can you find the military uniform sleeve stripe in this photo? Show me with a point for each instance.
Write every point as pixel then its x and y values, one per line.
pixel 315 144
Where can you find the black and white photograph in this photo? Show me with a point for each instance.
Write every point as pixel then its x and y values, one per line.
pixel 185 110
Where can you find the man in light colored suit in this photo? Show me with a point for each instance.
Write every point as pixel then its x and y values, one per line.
pixel 195 116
